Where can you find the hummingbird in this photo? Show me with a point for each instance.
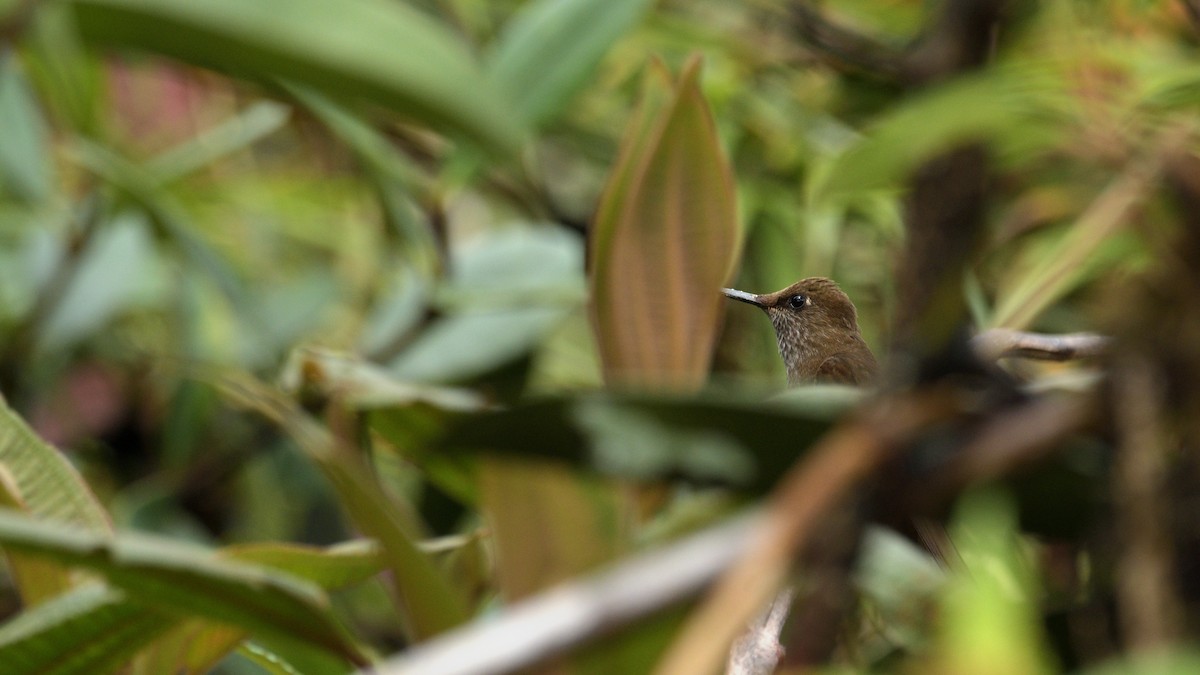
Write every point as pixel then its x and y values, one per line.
pixel 816 326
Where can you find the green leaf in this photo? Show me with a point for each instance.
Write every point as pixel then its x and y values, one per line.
pixel 25 168
pixel 267 660
pixel 330 568
pixel 113 627
pixel 547 524
pixel 970 108
pixel 95 295
pixel 92 629
pixel 70 80
pixel 548 50
pixel 512 287
pixel 36 579
pixel 1078 254
pixel 187 580
pixel 359 384
pixel 381 51
pixel 196 646
pixel 1167 661
pixel 428 603
pixel 257 121
pixel 665 240
pixel 38 480
pixel 50 488
pixel 990 609
pixel 392 174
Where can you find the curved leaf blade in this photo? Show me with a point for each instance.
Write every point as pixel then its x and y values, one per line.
pixel 185 579
pixel 975 107
pixel 547 52
pixel 665 239
pixel 48 486
pixel 103 628
pixel 196 646
pixel 376 50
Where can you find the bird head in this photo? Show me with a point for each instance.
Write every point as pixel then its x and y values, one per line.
pixel 814 322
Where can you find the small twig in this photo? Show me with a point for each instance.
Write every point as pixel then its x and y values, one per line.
pixel 548 624
pixel 998 343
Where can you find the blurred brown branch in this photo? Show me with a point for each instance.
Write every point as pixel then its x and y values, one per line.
pixel 1149 605
pixel 961 37
pixel 843 47
pixel 1192 8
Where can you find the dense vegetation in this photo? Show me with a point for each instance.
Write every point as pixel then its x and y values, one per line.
pixel 347 333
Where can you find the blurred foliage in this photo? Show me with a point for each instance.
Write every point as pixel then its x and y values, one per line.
pixel 383 209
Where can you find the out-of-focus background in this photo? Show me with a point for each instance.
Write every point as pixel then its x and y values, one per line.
pixel 236 234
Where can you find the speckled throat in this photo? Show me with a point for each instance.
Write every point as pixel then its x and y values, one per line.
pixel 816 328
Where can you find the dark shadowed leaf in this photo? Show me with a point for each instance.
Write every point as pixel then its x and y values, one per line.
pixel 743 445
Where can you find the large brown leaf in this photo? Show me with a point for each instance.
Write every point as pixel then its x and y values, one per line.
pixel 665 239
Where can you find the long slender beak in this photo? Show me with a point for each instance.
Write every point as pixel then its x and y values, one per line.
pixel 743 296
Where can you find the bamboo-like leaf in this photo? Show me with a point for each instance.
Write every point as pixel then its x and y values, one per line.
pixel 185 579
pixel 25 168
pixel 48 485
pixel 1065 265
pixel 37 479
pixel 195 646
pixel 330 568
pixel 392 174
pixel 972 108
pixel 548 525
pixel 547 51
pixel 428 604
pixel 384 52
pixel 36 579
pixel 240 131
pixel 665 239
pixel 92 629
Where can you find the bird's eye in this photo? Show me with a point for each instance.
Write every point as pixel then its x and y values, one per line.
pixel 797 301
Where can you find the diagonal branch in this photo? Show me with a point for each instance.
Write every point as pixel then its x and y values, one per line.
pixel 549 624
pixel 998 343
